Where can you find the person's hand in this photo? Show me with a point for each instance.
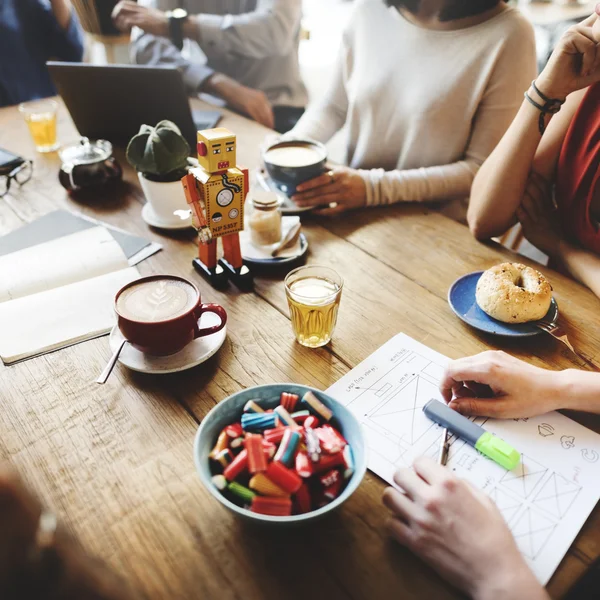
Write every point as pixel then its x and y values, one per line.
pixel 127 15
pixel 538 217
pixel 575 62
pixel 495 384
pixel 341 186
pixel 458 530
pixel 251 102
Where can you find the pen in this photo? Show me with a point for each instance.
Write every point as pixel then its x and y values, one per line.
pixel 444 447
pixel 492 446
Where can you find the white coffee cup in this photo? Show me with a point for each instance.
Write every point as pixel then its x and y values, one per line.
pixel 164 198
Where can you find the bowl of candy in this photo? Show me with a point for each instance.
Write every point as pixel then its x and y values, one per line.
pixel 280 453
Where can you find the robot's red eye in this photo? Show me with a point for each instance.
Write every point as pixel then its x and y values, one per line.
pixel 202 149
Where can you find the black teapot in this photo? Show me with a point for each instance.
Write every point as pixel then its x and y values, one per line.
pixel 88 164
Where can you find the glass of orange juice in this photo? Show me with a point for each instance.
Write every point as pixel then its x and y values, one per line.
pixel 40 116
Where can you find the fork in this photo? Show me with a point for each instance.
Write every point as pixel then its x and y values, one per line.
pixel 557 332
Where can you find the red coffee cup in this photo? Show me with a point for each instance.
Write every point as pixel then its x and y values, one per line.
pixel 159 315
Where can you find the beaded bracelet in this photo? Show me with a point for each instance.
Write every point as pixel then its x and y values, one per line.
pixel 550 107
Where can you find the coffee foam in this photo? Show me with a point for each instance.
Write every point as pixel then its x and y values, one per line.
pixel 294 155
pixel 157 300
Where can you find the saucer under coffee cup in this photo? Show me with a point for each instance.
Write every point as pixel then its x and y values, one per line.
pixel 159 315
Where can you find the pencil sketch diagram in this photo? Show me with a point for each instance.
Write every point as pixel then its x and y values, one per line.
pixel 531 531
pixel 524 479
pixel 557 495
pixel 507 504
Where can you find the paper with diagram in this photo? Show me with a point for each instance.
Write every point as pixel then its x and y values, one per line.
pixel 545 500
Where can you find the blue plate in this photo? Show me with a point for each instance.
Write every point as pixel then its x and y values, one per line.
pixel 461 298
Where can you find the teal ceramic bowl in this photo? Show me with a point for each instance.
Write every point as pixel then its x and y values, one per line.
pixel 230 410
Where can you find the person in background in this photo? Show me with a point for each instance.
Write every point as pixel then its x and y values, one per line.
pixel 32 32
pixel 455 527
pixel 251 47
pixel 545 173
pixel 425 89
pixel 39 559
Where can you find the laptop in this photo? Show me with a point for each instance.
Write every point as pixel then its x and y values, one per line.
pixel 111 102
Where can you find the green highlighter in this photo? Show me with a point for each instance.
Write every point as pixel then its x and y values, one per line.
pixel 490 445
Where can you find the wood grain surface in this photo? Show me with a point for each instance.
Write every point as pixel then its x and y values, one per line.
pixel 115 461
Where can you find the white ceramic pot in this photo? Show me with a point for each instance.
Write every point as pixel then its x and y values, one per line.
pixel 164 198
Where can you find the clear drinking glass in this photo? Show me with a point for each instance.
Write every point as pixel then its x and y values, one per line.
pixel 313 295
pixel 40 116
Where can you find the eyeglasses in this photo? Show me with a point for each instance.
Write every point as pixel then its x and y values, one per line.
pixel 21 174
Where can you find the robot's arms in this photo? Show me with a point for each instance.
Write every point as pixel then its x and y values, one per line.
pixel 196 205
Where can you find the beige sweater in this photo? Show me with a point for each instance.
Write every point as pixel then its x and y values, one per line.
pixel 423 109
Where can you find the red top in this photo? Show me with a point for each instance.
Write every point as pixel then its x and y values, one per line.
pixel 578 173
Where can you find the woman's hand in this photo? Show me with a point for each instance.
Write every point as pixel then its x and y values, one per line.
pixel 538 217
pixel 341 186
pixel 575 62
pixel 459 531
pixel 495 384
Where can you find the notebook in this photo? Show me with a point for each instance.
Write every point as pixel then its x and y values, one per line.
pixel 60 291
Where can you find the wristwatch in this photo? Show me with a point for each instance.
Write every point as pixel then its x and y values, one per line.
pixel 176 19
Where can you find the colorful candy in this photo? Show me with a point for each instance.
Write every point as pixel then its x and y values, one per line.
pixel 257 461
pixel 276 507
pixel 316 406
pixel 288 447
pixel 279 460
pixel 284 416
pixel 289 401
pixel 261 484
pixel 258 422
pixel 252 407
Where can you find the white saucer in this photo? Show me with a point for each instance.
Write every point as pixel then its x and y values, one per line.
pixel 154 220
pixel 195 353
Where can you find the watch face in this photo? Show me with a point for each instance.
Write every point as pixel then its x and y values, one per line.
pixel 179 13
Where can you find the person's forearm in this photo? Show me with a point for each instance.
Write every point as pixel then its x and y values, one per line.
pixel 499 186
pixel 520 585
pixel 578 390
pixel 62 12
pixel 583 265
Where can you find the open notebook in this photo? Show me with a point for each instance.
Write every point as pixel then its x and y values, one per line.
pixel 60 292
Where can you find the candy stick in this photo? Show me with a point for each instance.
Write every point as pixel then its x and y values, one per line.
pixel 329 461
pixel 241 491
pixel 275 435
pixel 258 422
pixel 224 458
pixel 286 452
pixel 237 467
pixel 301 416
pixel 269 449
pixel 222 443
pixel 302 499
pixel 284 416
pixel 277 507
pixel 219 482
pixel 331 441
pixel 313 445
pixel 333 491
pixel 348 462
pixel 289 401
pixel 329 478
pixel 312 422
pixel 283 477
pixel 252 407
pixel 257 461
pixel 304 466
pixel 316 406
pixel 234 430
pixel 237 443
pixel 263 485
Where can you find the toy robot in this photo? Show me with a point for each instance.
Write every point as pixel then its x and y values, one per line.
pixel 215 192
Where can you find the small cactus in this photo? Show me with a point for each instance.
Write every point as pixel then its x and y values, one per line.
pixel 159 153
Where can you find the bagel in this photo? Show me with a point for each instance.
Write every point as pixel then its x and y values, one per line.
pixel 513 293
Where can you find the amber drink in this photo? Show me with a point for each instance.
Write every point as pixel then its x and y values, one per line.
pixel 40 117
pixel 313 295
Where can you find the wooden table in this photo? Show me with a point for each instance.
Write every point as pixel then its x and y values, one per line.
pixel 115 461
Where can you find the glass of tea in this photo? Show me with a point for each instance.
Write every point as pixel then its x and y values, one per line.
pixel 313 295
pixel 40 116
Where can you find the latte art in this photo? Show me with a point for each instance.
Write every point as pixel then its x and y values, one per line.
pixel 157 300
pixel 297 155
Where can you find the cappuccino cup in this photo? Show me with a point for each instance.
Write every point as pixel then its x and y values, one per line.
pixel 292 162
pixel 159 315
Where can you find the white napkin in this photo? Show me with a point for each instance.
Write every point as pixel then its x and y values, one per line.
pixel 249 250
